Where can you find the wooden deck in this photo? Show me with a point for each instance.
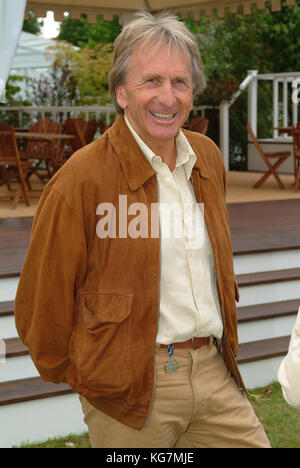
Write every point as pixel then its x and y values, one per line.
pixel 265 226
pixel 255 227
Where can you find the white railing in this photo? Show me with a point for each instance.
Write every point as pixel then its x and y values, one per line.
pixel 61 113
pixel 224 113
pixel 284 84
pixel 285 95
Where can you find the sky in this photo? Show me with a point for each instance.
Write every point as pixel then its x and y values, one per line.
pixel 51 27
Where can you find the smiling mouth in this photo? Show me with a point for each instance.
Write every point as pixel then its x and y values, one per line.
pixel 160 116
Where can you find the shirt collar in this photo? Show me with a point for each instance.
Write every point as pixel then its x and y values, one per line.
pixel 185 154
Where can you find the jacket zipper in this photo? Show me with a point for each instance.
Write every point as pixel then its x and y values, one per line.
pixel 154 354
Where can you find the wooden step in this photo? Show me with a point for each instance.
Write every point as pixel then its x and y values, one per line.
pixel 14 348
pixel 35 388
pixel 267 277
pixel 14 241
pixel 7 308
pixel 18 391
pixel 263 349
pixel 267 311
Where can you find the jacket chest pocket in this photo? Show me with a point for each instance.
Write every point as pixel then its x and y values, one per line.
pixel 103 355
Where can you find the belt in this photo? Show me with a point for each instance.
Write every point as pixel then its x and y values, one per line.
pixel 192 343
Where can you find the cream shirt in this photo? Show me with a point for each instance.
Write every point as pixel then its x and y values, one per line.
pixel 189 302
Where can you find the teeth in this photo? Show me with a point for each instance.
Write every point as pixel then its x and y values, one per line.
pixel 163 116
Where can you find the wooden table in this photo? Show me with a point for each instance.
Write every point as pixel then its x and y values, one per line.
pixel 54 153
pixel 44 136
pixel 52 137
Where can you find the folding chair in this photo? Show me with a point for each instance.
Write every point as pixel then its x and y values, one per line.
pixel 41 150
pixel 83 131
pixel 75 127
pixel 4 180
pixel 14 168
pixel 296 154
pixel 103 126
pixel 280 159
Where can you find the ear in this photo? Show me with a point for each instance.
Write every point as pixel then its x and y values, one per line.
pixel 121 96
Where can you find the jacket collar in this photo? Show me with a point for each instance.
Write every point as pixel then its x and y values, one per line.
pixel 136 168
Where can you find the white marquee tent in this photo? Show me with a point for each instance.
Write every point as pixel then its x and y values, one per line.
pixel 30 54
pixel 11 21
pixel 30 59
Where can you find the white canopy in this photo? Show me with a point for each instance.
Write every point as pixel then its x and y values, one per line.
pixel 30 60
pixel 30 53
pixel 11 22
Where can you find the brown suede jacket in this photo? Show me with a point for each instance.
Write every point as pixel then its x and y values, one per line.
pixel 88 308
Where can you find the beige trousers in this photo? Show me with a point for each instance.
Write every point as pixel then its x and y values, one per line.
pixel 200 405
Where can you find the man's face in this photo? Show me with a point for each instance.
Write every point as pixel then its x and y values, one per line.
pixel 158 93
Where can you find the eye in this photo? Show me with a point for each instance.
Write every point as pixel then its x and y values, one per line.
pixel 151 80
pixel 179 82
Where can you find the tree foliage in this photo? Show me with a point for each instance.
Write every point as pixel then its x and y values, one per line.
pixel 33 25
pixel 77 76
pixel 82 34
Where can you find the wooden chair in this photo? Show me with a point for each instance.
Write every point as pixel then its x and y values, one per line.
pixel 75 127
pixel 42 151
pixel 4 180
pixel 296 154
pixel 102 126
pixel 13 167
pixel 199 124
pixel 84 132
pixel 91 129
pixel 280 159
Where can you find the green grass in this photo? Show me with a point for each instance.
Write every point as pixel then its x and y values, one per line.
pixel 70 441
pixel 281 422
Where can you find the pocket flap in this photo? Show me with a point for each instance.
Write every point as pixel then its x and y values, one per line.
pixel 112 308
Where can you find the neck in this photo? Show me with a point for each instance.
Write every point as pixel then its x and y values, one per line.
pixel 166 149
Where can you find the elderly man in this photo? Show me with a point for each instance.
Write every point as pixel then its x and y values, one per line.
pixel 139 321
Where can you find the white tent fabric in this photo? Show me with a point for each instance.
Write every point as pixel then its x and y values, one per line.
pixel 11 22
pixel 30 53
pixel 30 60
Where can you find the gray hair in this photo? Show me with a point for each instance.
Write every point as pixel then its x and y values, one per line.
pixel 161 29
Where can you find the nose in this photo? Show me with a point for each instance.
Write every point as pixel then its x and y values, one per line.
pixel 166 96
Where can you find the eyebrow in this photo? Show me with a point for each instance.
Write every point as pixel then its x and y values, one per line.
pixel 156 75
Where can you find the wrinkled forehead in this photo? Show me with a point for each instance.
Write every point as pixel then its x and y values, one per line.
pixel 149 52
pixel 154 45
